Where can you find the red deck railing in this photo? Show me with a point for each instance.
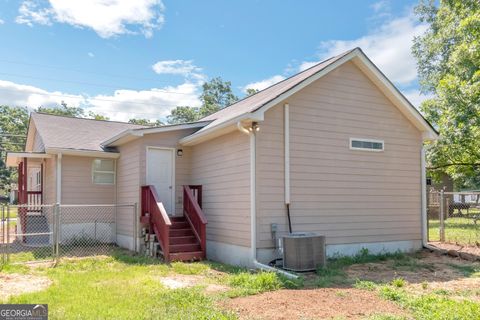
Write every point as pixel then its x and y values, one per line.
pixel 158 218
pixel 192 201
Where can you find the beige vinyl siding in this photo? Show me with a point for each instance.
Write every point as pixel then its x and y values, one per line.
pixel 222 167
pixel 182 164
pixel 38 145
pixel 350 196
pixel 128 185
pixel 131 173
pixel 77 185
pixel 49 180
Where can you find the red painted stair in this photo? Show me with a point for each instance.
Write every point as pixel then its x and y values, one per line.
pixel 184 246
pixel 181 238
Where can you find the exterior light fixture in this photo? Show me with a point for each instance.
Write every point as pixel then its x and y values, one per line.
pixel 179 152
pixel 255 127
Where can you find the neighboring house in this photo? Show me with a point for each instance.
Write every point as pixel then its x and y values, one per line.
pixel 337 142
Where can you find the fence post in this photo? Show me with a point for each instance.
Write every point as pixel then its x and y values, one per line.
pixel 442 216
pixel 56 230
pixel 135 208
pixel 2 228
pixel 7 248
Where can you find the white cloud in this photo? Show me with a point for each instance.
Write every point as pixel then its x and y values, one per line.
pixel 121 105
pixel 91 55
pixel 388 46
pixel 2 21
pixel 185 68
pixel 106 18
pixel 154 103
pixel 30 13
pixel 260 85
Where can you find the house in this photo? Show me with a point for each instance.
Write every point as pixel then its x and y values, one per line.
pixel 336 145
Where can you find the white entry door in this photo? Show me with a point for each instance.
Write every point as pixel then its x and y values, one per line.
pixel 160 173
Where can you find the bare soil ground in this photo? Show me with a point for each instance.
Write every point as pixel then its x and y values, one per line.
pixel 427 272
pixel 428 267
pixel 475 250
pixel 312 304
pixel 185 281
pixel 14 284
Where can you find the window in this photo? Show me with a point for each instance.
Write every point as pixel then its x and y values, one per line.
pixel 366 144
pixel 103 171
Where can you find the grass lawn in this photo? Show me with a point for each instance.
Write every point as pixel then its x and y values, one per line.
pixel 122 286
pixel 457 230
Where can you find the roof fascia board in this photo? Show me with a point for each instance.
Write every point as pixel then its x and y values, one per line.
pixel 83 153
pixel 14 157
pixel 121 138
pixel 32 128
pixel 305 83
pixel 222 128
pixel 405 107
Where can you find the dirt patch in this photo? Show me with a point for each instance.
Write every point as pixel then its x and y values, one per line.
pixel 427 267
pixel 188 281
pixel 15 284
pixel 312 304
pixel 470 250
pixel 456 287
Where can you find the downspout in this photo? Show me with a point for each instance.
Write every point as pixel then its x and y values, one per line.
pixel 424 200
pixel 253 207
pixel 287 162
pixel 59 178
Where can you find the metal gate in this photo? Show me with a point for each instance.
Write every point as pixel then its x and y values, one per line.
pixel 454 217
pixel 48 232
pixel 28 232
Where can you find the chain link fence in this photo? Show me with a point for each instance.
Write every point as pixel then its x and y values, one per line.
pixel 454 217
pixel 49 232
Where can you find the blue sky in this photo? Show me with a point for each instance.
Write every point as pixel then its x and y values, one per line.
pixel 142 58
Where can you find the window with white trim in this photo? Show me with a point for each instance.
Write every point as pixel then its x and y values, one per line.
pixel 366 144
pixel 103 171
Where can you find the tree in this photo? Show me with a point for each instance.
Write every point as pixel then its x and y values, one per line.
pixel 13 130
pixel 183 114
pixel 146 122
pixel 448 60
pixel 65 110
pixel 217 94
pixel 251 91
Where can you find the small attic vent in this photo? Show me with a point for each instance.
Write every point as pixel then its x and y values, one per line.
pixel 303 251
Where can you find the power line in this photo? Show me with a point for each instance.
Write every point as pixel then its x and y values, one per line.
pixel 98 99
pixel 77 70
pixel 86 83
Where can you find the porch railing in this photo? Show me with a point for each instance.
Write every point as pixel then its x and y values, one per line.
pixel 192 199
pixel 157 218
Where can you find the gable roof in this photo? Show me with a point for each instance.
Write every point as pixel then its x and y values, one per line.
pixel 252 108
pixel 62 132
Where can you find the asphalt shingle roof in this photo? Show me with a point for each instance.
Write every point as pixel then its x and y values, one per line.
pixel 77 133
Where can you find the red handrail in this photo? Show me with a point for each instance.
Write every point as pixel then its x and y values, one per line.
pixel 158 218
pixel 194 215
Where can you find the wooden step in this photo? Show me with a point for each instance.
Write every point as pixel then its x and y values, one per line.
pixel 181 232
pixel 183 240
pixel 188 247
pixel 187 256
pixel 180 225
pixel 178 219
